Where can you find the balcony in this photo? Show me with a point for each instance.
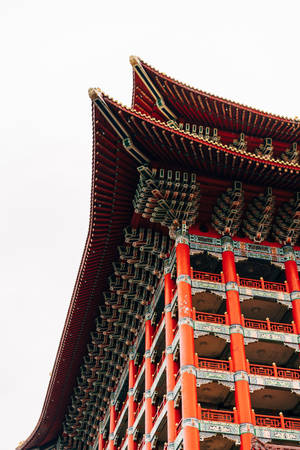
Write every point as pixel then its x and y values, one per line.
pixel 247 287
pixel 159 365
pixel 282 337
pixel 221 428
pixel 272 387
pixel 121 423
pixel 260 420
pixel 248 323
pixel 254 369
pixel 243 282
pixel 218 415
pixel 159 410
pixel 139 408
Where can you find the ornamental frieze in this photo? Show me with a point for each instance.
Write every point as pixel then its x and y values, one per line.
pixel 230 429
pixel 275 433
pixel 258 381
pixel 242 249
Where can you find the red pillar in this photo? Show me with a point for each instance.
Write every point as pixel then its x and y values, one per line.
pixel 101 443
pixel 237 345
pixel 149 371
pixel 112 426
pixel 292 278
pixel 191 439
pixel 173 416
pixel 132 445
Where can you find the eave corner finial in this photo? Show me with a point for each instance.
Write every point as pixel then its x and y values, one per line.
pixel 94 93
pixel 134 60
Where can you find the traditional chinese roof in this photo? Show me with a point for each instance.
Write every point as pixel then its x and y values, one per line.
pixel 125 139
pixel 166 144
pixel 153 89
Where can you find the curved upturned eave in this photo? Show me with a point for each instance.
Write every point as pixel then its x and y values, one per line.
pixel 276 165
pixel 279 120
pixel 89 285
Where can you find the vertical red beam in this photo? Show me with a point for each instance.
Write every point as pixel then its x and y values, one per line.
pixel 191 439
pixel 292 278
pixel 171 366
pixel 101 443
pixel 149 371
pixel 237 345
pixel 132 445
pixel 112 426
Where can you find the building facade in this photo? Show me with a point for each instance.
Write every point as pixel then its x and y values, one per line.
pixel 184 326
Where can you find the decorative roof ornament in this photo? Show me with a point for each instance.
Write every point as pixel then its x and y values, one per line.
pixel 241 143
pixel 135 277
pixel 291 154
pixel 286 228
pixel 259 215
pixel 160 102
pixel 265 149
pixel 227 213
pixel 97 97
pixel 167 197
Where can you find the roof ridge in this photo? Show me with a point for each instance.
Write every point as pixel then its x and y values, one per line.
pixel 295 121
pixel 200 140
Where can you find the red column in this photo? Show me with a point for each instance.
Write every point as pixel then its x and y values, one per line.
pixel 101 443
pixel 132 445
pixel 149 371
pixel 112 426
pixel 191 439
pixel 171 366
pixel 237 345
pixel 292 278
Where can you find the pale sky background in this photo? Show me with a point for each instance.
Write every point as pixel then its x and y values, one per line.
pixel 51 53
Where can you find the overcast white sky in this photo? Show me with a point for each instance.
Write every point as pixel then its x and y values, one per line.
pixel 51 53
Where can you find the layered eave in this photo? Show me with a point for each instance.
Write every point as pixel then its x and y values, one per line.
pixel 196 106
pixel 165 145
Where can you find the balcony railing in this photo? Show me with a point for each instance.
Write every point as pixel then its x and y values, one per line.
pixel 212 318
pixel 205 276
pixel 262 284
pixel 140 369
pixel 217 415
pixel 159 364
pixel 244 282
pixel 158 325
pixel 140 405
pixel 159 410
pixel 122 409
pixel 288 373
pixel 260 420
pixel 248 323
pixel 213 364
pixel 254 369
pixel 267 325
pixel 277 422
